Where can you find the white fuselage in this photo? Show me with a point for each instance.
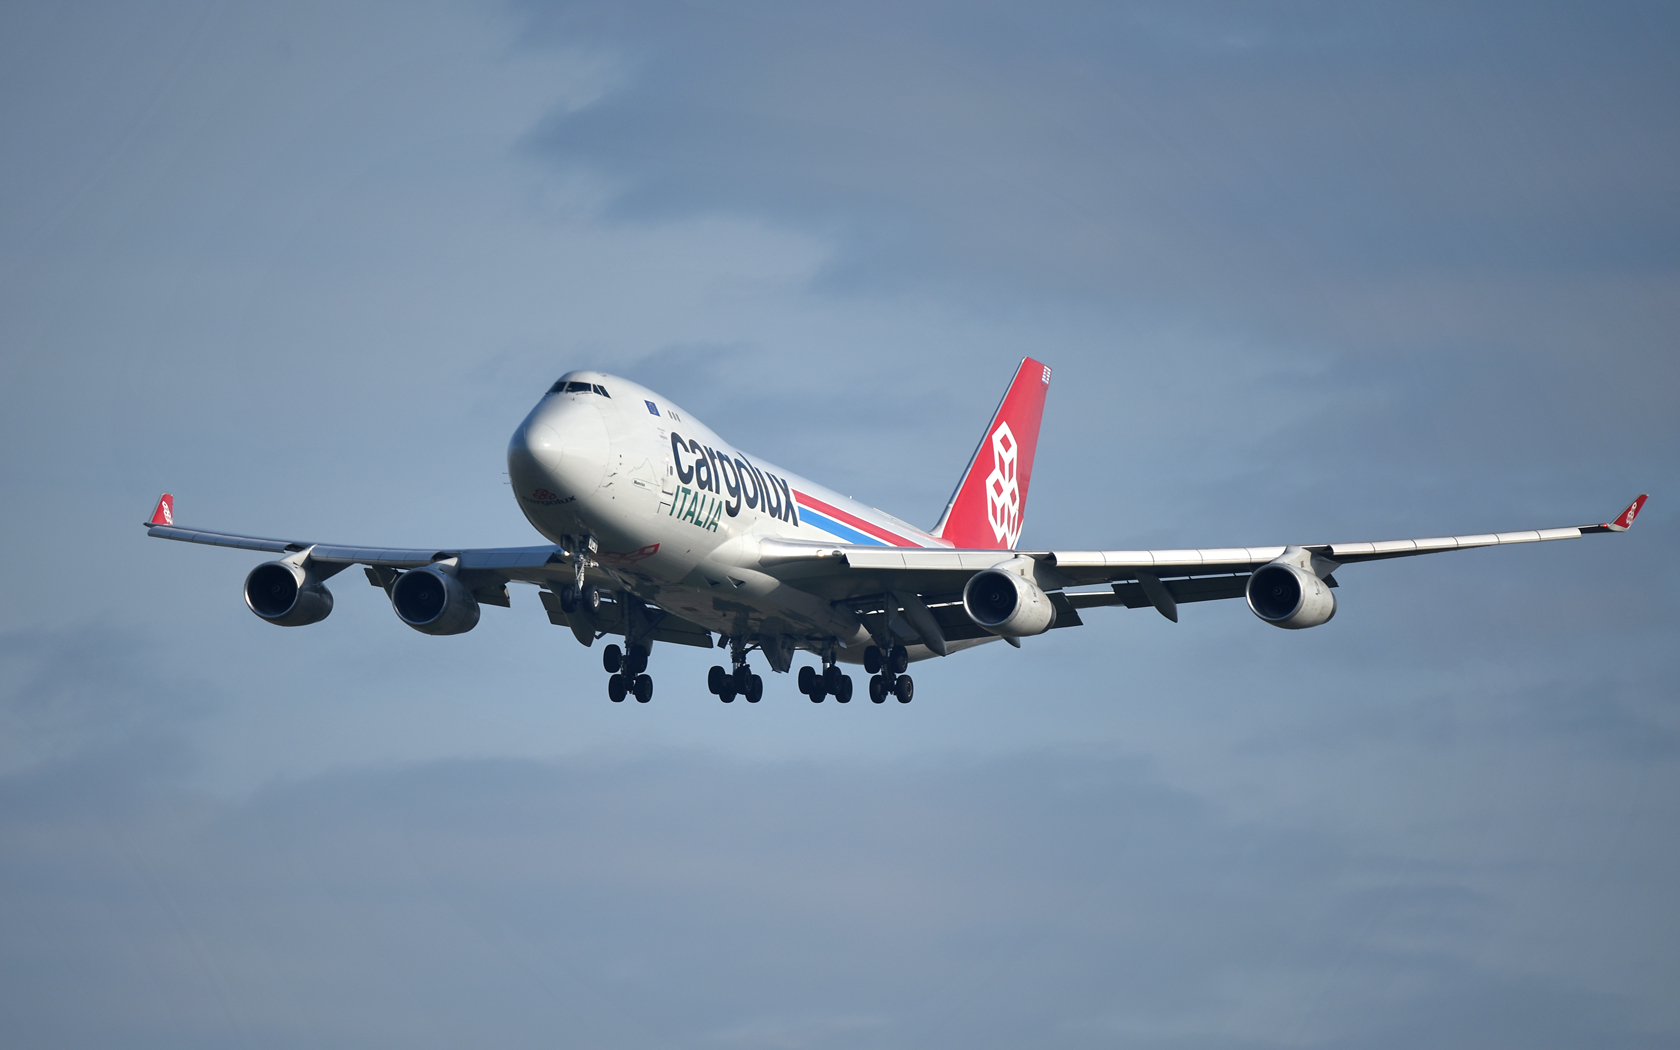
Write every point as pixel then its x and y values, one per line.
pixel 678 514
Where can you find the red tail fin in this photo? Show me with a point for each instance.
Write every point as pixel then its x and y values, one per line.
pixel 165 512
pixel 990 503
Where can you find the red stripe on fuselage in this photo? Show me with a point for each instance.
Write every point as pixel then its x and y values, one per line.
pixel 854 521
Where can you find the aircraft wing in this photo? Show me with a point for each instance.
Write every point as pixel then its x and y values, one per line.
pixel 514 563
pixel 871 578
pixel 486 571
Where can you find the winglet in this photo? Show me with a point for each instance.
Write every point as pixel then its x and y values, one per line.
pixel 1625 520
pixel 165 512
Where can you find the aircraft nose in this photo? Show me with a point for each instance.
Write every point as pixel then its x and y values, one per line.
pixel 560 448
pixel 540 443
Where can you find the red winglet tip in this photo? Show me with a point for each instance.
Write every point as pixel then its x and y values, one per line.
pixel 165 512
pixel 1625 519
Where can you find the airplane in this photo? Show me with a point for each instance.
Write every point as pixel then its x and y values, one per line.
pixel 659 530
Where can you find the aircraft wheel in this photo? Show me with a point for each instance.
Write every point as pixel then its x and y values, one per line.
pixel 727 693
pixel 755 689
pixel 806 675
pixel 831 680
pixel 716 679
pixel 612 658
pixel 644 689
pixel 872 660
pixel 900 659
pixel 568 600
pixel 905 689
pixel 617 686
pixel 877 690
pixel 817 693
pixel 591 599
pixel 743 678
pixel 635 661
pixel 843 695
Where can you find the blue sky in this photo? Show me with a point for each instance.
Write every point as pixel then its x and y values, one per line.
pixel 1305 272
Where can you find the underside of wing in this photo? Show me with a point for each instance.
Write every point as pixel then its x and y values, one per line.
pixel 863 577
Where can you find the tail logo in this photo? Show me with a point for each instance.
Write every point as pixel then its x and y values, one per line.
pixel 1003 490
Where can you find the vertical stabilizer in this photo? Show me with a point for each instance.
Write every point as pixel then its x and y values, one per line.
pixel 990 503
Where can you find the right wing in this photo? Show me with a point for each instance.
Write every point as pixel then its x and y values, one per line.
pixel 485 571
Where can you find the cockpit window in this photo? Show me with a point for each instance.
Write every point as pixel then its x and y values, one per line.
pixel 562 386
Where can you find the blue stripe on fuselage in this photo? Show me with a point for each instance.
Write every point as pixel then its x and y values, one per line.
pixel 827 524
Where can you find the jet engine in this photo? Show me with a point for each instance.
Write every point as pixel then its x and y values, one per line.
pixel 432 601
pixel 287 594
pixel 1007 604
pixel 1286 595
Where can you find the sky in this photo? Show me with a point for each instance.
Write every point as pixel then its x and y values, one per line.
pixel 1306 272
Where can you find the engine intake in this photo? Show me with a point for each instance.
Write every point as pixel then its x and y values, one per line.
pixel 287 594
pixel 432 601
pixel 1288 596
pixel 1007 604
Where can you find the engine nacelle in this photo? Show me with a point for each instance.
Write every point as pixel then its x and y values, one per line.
pixel 1008 604
pixel 287 594
pixel 432 601
pixel 1286 595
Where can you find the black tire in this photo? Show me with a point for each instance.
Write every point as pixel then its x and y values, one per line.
pixel 617 686
pixel 715 679
pixel 643 689
pixel 900 659
pixel 591 602
pixel 568 600
pixel 843 695
pixel 612 658
pixel 831 680
pixel 872 660
pixel 743 678
pixel 877 690
pixel 727 693
pixel 755 690
pixel 807 675
pixel 635 661
pixel 905 689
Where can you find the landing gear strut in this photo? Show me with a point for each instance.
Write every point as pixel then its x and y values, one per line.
pixel 830 681
pixel 628 674
pixel 628 666
pixel 726 685
pixel 580 595
pixel 891 679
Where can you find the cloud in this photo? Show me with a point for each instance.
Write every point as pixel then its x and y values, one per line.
pixel 1305 271
pixel 673 898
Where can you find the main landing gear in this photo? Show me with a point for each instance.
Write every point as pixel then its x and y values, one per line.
pixel 889 677
pixel 629 674
pixel 726 685
pixel 830 681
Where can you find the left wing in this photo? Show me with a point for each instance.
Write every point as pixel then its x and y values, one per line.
pixel 1136 578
